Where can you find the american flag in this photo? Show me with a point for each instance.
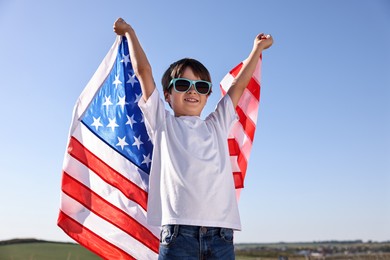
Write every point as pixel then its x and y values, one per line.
pixel 243 132
pixel 107 162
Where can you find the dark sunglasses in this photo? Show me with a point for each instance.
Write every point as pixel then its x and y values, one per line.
pixel 183 85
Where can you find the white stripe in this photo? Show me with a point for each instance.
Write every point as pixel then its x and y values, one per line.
pixel 237 132
pixel 235 167
pixel 109 193
pixel 246 149
pixel 227 81
pixel 106 230
pixel 97 80
pixel 238 193
pixel 249 104
pixel 111 157
pixel 257 74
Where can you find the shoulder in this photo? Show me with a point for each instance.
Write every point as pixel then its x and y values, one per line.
pixel 152 99
pixel 225 106
pixel 224 113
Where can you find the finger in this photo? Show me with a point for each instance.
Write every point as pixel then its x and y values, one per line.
pixel 119 20
pixel 265 36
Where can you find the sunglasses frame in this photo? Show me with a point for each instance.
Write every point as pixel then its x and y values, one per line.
pixel 192 82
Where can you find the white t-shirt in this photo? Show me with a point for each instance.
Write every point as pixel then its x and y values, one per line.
pixel 191 181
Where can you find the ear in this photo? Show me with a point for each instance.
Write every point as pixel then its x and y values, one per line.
pixel 167 97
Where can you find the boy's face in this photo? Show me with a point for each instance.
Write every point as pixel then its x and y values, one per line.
pixel 190 103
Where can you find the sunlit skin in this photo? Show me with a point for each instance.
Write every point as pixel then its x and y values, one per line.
pixel 190 103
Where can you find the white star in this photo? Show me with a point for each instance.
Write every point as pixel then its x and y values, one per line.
pixel 138 141
pixel 122 102
pixel 121 142
pixel 117 81
pixel 130 121
pixel 107 102
pixel 112 124
pixel 132 80
pixel 96 123
pixel 137 98
pixel 147 160
pixel 126 59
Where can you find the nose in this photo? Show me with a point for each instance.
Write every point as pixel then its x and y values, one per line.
pixel 191 89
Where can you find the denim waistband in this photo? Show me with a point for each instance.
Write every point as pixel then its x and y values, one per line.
pixel 195 231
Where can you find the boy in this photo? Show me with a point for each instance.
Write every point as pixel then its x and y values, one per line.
pixel 191 188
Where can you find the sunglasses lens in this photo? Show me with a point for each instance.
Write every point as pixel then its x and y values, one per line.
pixel 182 85
pixel 202 87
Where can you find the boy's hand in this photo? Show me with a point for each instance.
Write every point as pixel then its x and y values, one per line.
pixel 121 27
pixel 263 41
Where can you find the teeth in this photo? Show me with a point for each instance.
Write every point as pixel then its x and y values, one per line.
pixel 191 99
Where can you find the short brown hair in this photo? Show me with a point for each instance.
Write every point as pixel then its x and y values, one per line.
pixel 177 69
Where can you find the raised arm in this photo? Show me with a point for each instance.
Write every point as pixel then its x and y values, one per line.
pixel 260 43
pixel 141 66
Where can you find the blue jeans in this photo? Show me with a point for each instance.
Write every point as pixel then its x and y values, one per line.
pixel 193 242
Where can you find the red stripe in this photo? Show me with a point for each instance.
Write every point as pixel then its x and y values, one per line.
pixel 241 161
pixel 236 70
pixel 233 147
pixel 90 240
pixel 242 164
pixel 238 180
pixel 235 151
pixel 107 211
pixel 108 174
pixel 254 88
pixel 247 123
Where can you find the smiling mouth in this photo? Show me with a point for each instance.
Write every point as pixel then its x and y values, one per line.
pixel 191 100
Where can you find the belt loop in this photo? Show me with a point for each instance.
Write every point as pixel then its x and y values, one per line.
pixel 175 230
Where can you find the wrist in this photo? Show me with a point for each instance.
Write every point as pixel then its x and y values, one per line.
pixel 257 49
pixel 129 31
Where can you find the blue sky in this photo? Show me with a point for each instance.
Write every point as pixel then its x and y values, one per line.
pixel 320 166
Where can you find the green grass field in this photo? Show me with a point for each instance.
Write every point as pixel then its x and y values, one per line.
pixel 45 251
pixel 32 249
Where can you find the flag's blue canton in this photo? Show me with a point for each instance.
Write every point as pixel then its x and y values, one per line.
pixel 114 115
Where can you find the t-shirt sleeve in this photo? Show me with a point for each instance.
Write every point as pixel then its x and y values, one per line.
pixel 224 115
pixel 154 112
